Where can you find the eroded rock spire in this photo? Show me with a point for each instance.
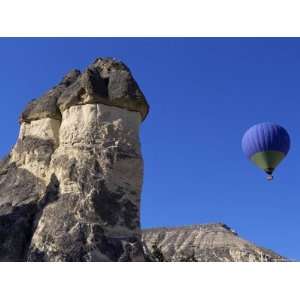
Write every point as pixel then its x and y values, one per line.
pixel 70 189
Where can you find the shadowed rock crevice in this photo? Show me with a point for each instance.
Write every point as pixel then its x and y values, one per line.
pixel 18 186
pixel 20 192
pixel 15 232
pixel 51 194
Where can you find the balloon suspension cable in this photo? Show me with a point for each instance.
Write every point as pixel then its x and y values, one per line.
pixel 270 177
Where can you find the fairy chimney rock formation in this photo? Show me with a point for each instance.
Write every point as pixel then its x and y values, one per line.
pixel 70 188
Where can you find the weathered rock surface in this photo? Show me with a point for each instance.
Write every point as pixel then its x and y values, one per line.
pixel 70 189
pixel 206 243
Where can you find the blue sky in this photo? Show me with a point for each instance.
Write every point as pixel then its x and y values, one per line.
pixel 203 93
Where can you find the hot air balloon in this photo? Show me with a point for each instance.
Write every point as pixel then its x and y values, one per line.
pixel 266 144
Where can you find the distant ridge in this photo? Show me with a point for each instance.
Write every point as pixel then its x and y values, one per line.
pixel 207 242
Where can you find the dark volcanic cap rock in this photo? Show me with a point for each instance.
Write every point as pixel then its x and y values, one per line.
pixel 107 81
pixel 46 105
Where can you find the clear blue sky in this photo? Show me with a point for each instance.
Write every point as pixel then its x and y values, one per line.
pixel 203 93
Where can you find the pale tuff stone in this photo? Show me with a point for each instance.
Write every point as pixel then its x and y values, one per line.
pixel 99 172
pixel 36 143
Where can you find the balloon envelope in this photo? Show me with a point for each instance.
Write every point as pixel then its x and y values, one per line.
pixel 266 144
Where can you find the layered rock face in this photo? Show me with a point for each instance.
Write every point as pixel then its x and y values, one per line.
pixel 70 189
pixel 206 243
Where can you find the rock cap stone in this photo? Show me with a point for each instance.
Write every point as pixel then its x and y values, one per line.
pixel 107 81
pixel 46 105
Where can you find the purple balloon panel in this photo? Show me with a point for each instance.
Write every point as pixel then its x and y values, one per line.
pixel 265 137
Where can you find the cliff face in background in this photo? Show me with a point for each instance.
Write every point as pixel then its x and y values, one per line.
pixel 70 188
pixel 206 243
